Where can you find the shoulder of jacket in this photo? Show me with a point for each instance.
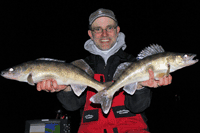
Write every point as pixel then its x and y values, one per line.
pixel 126 56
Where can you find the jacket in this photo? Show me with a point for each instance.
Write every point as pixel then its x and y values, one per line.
pixel 136 103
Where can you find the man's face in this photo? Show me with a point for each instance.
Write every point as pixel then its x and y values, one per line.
pixel 104 40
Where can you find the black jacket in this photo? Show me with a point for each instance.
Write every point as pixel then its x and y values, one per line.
pixel 136 103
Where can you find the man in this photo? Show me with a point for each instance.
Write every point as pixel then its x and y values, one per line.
pixel 107 47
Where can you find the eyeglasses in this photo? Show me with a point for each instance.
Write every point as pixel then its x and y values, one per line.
pixel 100 30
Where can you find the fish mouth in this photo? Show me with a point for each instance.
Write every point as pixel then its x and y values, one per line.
pixel 190 59
pixel 7 75
pixel 3 73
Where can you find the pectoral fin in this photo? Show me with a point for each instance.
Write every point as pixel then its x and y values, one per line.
pixel 78 89
pixel 120 69
pixel 108 84
pixel 168 70
pixel 84 66
pixel 131 88
pixel 30 79
pixel 160 75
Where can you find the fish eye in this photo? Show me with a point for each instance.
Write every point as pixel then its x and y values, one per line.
pixel 185 56
pixel 11 70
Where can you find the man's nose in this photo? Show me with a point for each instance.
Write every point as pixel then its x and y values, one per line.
pixel 104 32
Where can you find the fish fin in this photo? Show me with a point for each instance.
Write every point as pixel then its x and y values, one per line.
pixel 78 89
pixel 120 69
pixel 131 88
pixel 108 84
pixel 159 75
pixel 30 79
pixel 102 98
pixel 151 50
pixel 168 70
pixel 84 66
pixel 50 59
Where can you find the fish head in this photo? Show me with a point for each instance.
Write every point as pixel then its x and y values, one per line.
pixel 181 60
pixel 15 73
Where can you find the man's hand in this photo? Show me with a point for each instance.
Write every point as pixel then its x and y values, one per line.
pixel 155 83
pixel 50 85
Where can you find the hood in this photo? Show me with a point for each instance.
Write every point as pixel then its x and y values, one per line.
pixel 120 43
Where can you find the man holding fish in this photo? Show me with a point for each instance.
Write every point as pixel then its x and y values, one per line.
pixel 107 45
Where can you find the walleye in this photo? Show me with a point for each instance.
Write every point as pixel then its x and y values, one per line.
pixel 78 74
pixel 129 74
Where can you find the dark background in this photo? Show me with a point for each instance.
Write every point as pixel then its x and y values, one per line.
pixel 31 30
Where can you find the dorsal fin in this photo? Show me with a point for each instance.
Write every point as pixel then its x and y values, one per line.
pixel 84 66
pixel 50 59
pixel 151 50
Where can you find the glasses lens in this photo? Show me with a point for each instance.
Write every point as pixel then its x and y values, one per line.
pixel 100 30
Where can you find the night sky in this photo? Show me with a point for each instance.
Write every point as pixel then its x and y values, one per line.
pixel 50 29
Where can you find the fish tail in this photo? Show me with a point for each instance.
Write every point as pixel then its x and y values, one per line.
pixel 104 99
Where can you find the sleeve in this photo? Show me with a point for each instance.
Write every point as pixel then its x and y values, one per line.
pixel 70 101
pixel 139 101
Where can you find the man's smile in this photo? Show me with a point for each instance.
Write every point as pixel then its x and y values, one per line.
pixel 105 40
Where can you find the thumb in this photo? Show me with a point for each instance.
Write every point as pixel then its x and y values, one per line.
pixel 62 87
pixel 151 74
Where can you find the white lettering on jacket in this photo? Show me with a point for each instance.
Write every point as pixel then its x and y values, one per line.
pixel 124 111
pixel 89 116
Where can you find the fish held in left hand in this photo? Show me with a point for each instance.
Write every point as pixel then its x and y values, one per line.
pixel 128 74
pixel 78 74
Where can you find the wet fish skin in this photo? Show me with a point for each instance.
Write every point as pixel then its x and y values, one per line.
pixel 78 74
pixel 129 74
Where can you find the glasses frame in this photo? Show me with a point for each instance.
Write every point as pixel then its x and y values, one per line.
pixel 113 27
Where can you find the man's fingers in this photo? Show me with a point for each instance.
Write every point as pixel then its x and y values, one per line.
pixel 150 83
pixel 61 87
pixel 165 80
pixel 161 81
pixel 39 86
pixel 155 83
pixel 43 85
pixel 57 87
pixel 170 79
pixel 54 84
pixel 48 85
pixel 52 90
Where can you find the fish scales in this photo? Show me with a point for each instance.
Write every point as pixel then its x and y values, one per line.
pixel 44 70
pixel 69 73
